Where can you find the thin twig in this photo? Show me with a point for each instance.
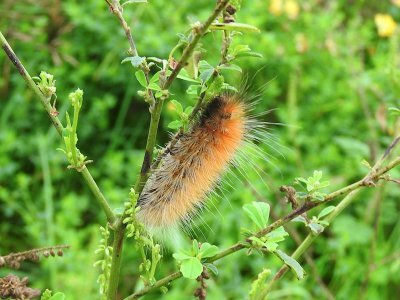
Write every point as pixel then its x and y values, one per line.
pixel 57 124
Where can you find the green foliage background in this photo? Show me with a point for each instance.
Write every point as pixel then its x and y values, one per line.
pixel 331 79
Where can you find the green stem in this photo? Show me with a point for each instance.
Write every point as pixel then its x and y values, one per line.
pixel 151 142
pixel 156 285
pixel 56 122
pixel 116 261
pixel 73 135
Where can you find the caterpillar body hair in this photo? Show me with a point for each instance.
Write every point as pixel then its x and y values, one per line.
pixel 191 169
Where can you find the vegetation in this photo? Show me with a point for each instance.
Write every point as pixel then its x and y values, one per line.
pixel 329 71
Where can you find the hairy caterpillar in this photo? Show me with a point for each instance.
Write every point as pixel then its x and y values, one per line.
pixel 191 169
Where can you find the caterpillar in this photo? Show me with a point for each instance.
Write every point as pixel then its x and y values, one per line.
pixel 178 188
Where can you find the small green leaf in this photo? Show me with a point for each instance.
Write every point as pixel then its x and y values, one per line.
pixel 195 246
pixel 191 268
pixel 154 86
pixel 300 219
pixel 175 124
pixel 141 78
pixel 258 212
pixel 271 246
pixel 178 107
pixel 212 268
pixel 58 296
pixel 193 89
pixel 184 75
pixel 250 54
pixel 208 250
pixel 136 61
pixel 234 26
pixel 181 256
pixel 326 211
pixel 316 228
pixel 188 110
pixel 291 263
pixel 230 67
pixel 206 71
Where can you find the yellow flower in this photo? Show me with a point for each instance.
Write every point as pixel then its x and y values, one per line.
pixel 396 2
pixel 292 9
pixel 385 24
pixel 275 7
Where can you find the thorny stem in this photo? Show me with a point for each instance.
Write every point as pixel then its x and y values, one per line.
pixel 373 176
pixel 57 124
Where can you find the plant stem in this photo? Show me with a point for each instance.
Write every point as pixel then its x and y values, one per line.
pixel 118 241
pixel 57 124
pixel 158 284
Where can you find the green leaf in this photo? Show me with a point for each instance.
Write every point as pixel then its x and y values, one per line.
pixel 277 235
pixel 184 75
pixel 216 86
pixel 195 247
pixel 208 250
pixel 188 110
pixel 316 228
pixel 181 256
pixel 155 77
pixel 136 61
pixel 234 26
pixel 191 268
pixel 291 263
pixel 154 86
pixel 299 219
pixel 206 70
pixel 178 107
pixel 250 54
pixel 258 212
pixel 58 296
pixel 175 124
pixel 230 67
pixel 326 211
pixel 141 78
pixel 271 246
pixel 212 268
pixel 193 89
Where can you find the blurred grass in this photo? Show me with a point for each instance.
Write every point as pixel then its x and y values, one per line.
pixel 331 77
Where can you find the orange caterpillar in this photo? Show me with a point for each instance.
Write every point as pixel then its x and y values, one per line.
pixel 191 169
